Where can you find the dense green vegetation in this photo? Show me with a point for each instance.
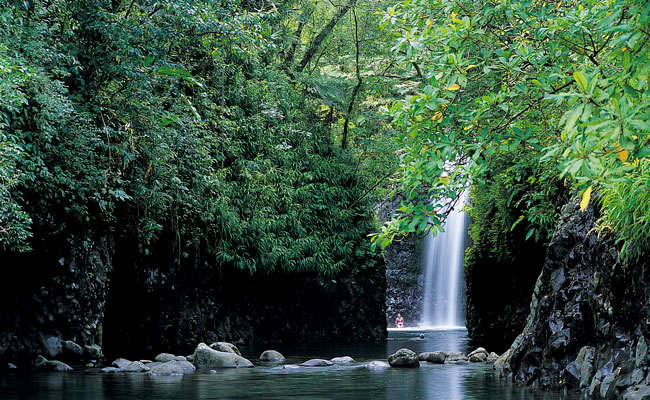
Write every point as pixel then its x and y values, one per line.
pixel 557 89
pixel 211 127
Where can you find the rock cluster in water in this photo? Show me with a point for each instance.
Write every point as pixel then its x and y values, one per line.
pixel 405 358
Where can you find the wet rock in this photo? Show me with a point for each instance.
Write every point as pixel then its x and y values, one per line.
pixel 455 356
pixel 40 361
pixel 291 366
pixel 271 356
pixel 492 357
pixel 594 387
pixel 72 351
pixel 631 379
pixel 608 386
pixel 93 352
pixel 478 355
pixel 53 346
pixel 225 346
pixel 501 361
pixel 558 343
pixel 121 362
pixel 585 364
pixel 205 357
pixel 317 362
pixel 180 358
pixel 152 364
pixel 111 370
pixel 136 366
pixel 404 358
pixel 166 369
pixel 164 357
pixel 190 358
pixel 436 357
pixel 186 366
pixel 11 366
pixel 377 364
pixel 423 356
pixel 639 392
pixel 54 365
pixel 342 360
pixel 641 352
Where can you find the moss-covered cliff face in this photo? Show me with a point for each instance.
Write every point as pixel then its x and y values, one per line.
pixel 501 267
pixel 588 325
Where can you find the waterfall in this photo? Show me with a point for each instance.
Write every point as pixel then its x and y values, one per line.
pixel 442 259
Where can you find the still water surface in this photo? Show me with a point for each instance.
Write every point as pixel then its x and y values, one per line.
pixel 351 381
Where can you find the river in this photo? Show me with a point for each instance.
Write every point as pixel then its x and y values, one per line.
pixel 351 381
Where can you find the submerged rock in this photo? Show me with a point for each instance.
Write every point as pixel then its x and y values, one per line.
pixel 342 360
pixel 317 362
pixel 205 357
pixel 271 356
pixel 111 370
pixel 404 358
pixel 377 364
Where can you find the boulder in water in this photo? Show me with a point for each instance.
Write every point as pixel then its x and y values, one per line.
pixel 456 356
pixel 186 366
pixel 54 365
pixel 205 357
pixel 342 360
pixel 423 356
pixel 136 366
pixel 166 369
pixel 377 364
pixel 164 357
pixel 404 358
pixel 271 356
pixel 40 361
pixel 225 346
pixel 317 362
pixel 436 357
pixel 111 370
pixel 492 357
pixel 121 363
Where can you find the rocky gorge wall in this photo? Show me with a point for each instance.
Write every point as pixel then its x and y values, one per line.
pixel 589 319
pixel 404 274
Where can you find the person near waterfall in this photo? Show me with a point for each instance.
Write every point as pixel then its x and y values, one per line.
pixel 399 321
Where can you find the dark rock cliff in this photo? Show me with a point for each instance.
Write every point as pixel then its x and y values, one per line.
pixel 89 290
pixel 589 317
pixel 404 275
pixel 58 290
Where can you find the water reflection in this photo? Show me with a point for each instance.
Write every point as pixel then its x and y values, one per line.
pixel 349 381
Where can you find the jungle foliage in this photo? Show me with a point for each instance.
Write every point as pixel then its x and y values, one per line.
pixel 559 89
pixel 191 124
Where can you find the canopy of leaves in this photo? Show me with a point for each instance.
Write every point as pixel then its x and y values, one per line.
pixel 559 88
pixel 171 123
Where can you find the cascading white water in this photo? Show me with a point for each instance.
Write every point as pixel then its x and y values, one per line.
pixel 442 259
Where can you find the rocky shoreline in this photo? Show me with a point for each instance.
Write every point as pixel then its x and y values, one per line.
pixel 220 355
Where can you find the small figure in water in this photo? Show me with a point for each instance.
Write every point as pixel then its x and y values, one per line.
pixel 399 321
